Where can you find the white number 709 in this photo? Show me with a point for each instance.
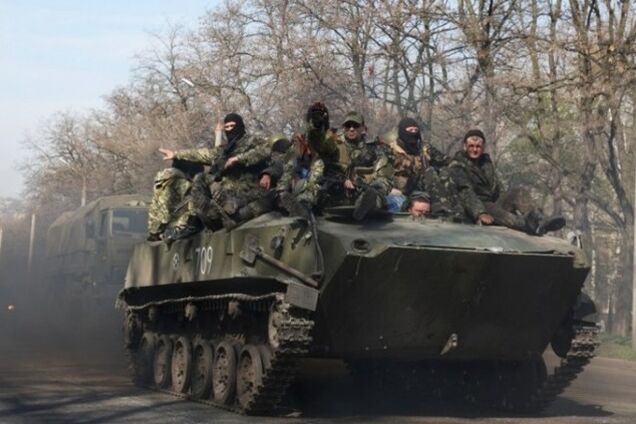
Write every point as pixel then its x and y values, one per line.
pixel 204 257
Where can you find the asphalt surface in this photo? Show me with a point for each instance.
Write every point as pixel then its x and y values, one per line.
pixel 48 376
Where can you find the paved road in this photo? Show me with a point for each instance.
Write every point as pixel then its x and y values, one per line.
pixel 48 382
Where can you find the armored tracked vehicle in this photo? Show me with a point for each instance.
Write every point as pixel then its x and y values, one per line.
pixel 223 317
pixel 87 253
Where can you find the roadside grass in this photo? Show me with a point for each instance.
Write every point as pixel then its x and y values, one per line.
pixel 616 347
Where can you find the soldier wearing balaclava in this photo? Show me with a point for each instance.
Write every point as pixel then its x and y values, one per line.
pixel 420 168
pixel 235 132
pixel 227 192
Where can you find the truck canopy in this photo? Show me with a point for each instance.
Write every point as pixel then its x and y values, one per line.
pixel 69 233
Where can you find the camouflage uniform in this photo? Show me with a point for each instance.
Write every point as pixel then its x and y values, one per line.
pixel 360 162
pixel 235 187
pixel 408 169
pixel 302 177
pixel 170 206
pixel 275 164
pixel 479 191
pixel 426 172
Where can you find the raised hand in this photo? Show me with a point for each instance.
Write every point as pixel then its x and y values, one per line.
pixel 167 153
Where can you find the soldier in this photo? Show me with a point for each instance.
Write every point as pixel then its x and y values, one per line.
pixel 419 167
pixel 230 192
pixel 355 173
pixel 169 208
pixel 418 204
pixel 280 147
pixel 480 192
pixel 300 184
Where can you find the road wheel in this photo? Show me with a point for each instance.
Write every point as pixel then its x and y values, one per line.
pixel 142 359
pixel 162 362
pixel 224 373
pixel 249 375
pixel 273 322
pixel 266 356
pixel 202 359
pixel 181 364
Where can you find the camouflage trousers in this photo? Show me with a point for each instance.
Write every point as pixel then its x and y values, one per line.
pixel 304 191
pixel 333 193
pixel 216 202
pixel 441 189
pixel 511 208
pixel 170 206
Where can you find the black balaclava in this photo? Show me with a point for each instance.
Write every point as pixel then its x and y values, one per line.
pixel 411 143
pixel 238 131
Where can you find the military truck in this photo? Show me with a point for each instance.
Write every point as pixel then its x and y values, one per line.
pixel 410 305
pixel 87 253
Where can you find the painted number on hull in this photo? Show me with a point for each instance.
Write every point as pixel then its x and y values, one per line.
pixel 204 259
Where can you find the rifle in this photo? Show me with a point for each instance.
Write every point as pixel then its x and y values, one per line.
pixel 217 169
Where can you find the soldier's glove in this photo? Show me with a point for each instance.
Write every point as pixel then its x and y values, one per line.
pixel 318 116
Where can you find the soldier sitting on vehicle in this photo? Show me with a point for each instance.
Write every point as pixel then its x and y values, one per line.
pixel 169 209
pixel 230 208
pixel 420 167
pixel 344 154
pixel 230 192
pixel 480 192
pixel 299 185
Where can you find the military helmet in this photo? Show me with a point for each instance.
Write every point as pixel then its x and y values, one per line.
pixel 354 116
pixel 279 142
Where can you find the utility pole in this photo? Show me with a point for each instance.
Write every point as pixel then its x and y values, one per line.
pixel 31 240
pixel 83 201
pixel 218 130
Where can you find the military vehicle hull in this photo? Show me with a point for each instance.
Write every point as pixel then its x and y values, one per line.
pixel 378 292
pixel 87 254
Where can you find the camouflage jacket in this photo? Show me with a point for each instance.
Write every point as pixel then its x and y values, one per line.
pixel 408 169
pixel 251 151
pixel 275 166
pixel 346 160
pixel 476 182
pixel 302 178
pixel 171 186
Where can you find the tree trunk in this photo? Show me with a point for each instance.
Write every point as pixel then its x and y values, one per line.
pixel 633 282
pixel 622 315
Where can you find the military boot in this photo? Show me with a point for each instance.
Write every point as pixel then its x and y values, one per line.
pixel 243 214
pixel 209 214
pixel 538 224
pixel 154 237
pixel 368 201
pixel 294 207
pixel 193 226
pixel 553 223
pixel 533 221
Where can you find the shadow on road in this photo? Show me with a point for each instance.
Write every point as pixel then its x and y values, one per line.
pixel 48 374
pixel 326 390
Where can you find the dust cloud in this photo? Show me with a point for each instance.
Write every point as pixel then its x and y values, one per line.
pixel 38 316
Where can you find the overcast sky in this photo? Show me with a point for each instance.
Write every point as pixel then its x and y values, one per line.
pixel 61 55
